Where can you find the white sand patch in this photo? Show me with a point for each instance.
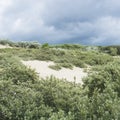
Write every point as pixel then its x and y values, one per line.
pixel 42 68
pixel 4 46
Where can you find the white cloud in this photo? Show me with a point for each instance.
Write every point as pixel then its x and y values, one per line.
pixel 107 30
pixel 89 21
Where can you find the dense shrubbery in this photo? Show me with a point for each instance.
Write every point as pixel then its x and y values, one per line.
pixel 34 99
pixel 23 96
pixel 64 58
pixel 73 54
pixel 35 45
pixel 112 50
pixel 12 69
pixel 70 46
pixel 103 89
pixel 7 42
pixel 28 45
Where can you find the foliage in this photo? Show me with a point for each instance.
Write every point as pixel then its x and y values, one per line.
pixel 7 42
pixel 70 46
pixel 112 50
pixel 55 67
pixel 34 45
pixel 25 96
pixel 103 91
pixel 45 45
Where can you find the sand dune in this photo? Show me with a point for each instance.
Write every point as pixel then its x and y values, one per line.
pixel 4 46
pixel 43 70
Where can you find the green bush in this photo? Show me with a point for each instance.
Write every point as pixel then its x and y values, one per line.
pixel 78 63
pixel 55 67
pixel 66 65
pixel 34 45
pixel 13 70
pixel 25 96
pixel 102 88
pixel 45 45
pixel 7 42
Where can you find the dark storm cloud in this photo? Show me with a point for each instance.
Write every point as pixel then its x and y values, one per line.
pixel 61 21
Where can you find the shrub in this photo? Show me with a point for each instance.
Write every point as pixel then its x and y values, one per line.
pixel 78 63
pixel 14 70
pixel 34 45
pixel 55 67
pixel 66 65
pixel 24 96
pixel 7 42
pixel 45 45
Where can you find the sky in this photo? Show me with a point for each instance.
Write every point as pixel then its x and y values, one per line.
pixel 89 22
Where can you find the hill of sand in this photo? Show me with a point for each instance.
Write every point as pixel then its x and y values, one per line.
pixel 43 70
pixel 4 46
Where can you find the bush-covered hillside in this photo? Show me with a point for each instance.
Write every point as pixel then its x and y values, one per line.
pixel 25 96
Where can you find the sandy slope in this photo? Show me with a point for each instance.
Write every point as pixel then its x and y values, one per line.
pixel 41 67
pixel 4 46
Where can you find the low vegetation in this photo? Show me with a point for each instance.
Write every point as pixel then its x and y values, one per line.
pixel 25 96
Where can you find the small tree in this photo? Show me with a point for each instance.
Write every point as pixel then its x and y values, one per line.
pixel 46 45
pixel 113 51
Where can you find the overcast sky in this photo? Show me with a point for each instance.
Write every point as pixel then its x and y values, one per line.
pixel 95 22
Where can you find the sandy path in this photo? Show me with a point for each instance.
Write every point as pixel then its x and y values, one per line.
pixel 41 67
